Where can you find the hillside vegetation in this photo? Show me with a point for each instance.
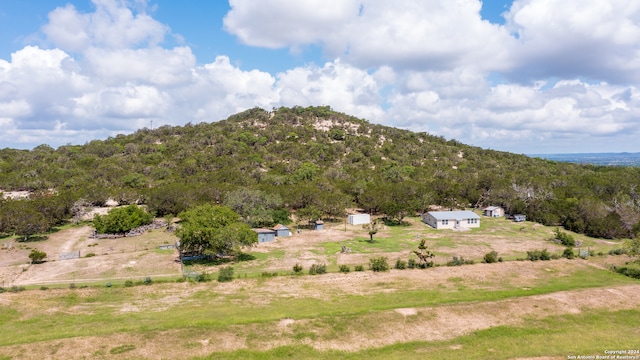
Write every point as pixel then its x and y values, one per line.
pixel 313 161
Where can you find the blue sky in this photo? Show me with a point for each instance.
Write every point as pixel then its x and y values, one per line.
pixel 525 76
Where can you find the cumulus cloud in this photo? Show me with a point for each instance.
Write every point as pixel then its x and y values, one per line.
pixel 414 34
pixel 593 39
pixel 555 75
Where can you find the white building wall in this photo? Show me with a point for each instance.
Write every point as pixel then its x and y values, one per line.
pixel 359 219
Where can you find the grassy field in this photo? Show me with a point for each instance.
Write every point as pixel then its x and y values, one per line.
pixel 508 310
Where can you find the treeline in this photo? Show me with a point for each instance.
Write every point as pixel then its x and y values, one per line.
pixel 317 162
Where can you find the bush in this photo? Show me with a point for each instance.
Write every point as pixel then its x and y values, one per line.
pixel 628 271
pixel 44 288
pixel 225 274
pixel 490 258
pixel 344 269
pixel 37 256
pixel 568 253
pixel 536 255
pixel 90 255
pixel 458 261
pixel 564 238
pixel 15 289
pixel 400 264
pixel 378 264
pixel 204 277
pixel 269 274
pixel 244 257
pixel 411 264
pixel 127 283
pixel 297 268
pixel 121 220
pixel 620 251
pixel 317 269
pixel 427 264
pixel 147 281
pixel 358 268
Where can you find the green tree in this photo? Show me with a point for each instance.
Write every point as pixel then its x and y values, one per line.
pixel 424 254
pixel 309 213
pixel 214 231
pixel 37 256
pixel 121 220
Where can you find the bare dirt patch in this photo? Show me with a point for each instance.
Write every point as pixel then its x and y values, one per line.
pixel 131 257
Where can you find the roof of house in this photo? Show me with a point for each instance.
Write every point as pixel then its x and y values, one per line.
pixel 490 208
pixel 454 215
pixel 319 222
pixel 280 227
pixel 264 231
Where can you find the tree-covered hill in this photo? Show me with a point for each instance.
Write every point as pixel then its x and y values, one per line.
pixel 316 162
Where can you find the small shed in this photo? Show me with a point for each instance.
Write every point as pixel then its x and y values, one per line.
pixel 519 218
pixel 358 219
pixel 281 230
pixel 319 225
pixel 265 235
pixel 493 211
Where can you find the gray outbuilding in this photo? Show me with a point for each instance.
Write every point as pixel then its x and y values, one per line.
pixel 265 235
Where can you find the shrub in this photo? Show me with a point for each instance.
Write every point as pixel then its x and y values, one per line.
pixel 400 264
pixel 44 288
pixel 204 277
pixel 628 271
pixel 121 220
pixel 358 268
pixel 244 257
pixel 108 285
pixel 127 283
pixel 225 274
pixel 411 264
pixel 491 257
pixel 458 261
pixel 619 251
pixel 564 238
pixel 90 255
pixel 15 289
pixel 344 269
pixel 568 253
pixel 544 255
pixel 147 281
pixel 297 268
pixel 536 255
pixel 426 264
pixel 37 256
pixel 317 269
pixel 378 264
pixel 269 274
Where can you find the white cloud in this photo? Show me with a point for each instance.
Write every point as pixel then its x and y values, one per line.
pixel 591 39
pixel 111 26
pixel 413 34
pixel 557 74
pixel 344 87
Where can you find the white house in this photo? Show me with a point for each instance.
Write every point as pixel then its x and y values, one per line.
pixel 493 211
pixel 463 219
pixel 359 219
